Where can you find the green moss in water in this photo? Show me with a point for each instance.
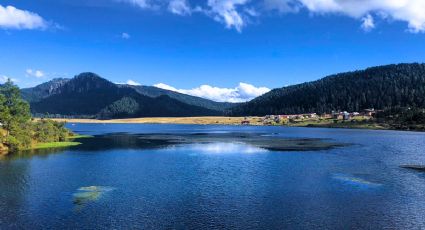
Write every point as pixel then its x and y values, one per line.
pixel 78 136
pixel 56 145
pixel 89 194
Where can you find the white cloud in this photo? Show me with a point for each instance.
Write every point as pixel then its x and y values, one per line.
pixel 225 11
pixel 13 18
pixel 243 92
pixel 4 79
pixel 410 11
pixel 125 36
pixel 252 12
pixel 131 82
pixel 368 23
pixel 139 3
pixel 180 7
pixel 34 73
pixel 165 86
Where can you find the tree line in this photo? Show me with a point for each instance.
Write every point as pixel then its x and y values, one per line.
pixel 18 131
pixel 381 87
pixel 403 118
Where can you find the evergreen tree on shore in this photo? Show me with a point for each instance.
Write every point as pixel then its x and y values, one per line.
pixel 18 131
pixel 15 117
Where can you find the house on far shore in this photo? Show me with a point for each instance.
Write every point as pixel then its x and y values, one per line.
pixel 346 116
pixel 355 114
pixel 369 112
pixel 341 115
pixel 245 122
pixel 326 116
pixel 310 115
pixel 336 115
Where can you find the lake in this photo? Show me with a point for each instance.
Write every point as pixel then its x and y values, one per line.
pixel 136 176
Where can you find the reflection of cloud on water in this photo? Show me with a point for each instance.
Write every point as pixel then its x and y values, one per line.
pixel 220 148
pixel 355 181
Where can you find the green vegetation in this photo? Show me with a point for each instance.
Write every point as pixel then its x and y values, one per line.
pixel 55 145
pixel 381 87
pixel 49 131
pixel 78 136
pixel 403 118
pixel 18 131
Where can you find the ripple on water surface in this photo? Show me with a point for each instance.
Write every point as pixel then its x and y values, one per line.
pixel 355 181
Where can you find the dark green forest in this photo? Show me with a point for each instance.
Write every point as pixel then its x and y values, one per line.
pixel 381 87
pixel 125 107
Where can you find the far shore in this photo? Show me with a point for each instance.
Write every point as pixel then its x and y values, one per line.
pixel 172 120
pixel 357 123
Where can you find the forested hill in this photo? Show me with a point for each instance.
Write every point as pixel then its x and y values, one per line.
pixel 88 95
pixel 389 86
pixel 61 97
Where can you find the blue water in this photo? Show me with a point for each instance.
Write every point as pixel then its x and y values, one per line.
pixel 119 185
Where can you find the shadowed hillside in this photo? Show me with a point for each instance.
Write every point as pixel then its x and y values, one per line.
pixel 92 96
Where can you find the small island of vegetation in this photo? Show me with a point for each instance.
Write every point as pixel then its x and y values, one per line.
pixel 19 131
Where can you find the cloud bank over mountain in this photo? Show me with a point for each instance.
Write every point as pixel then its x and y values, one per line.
pixel 243 92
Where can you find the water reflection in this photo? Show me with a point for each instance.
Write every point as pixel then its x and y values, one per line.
pixel 212 142
pixel 39 153
pixel 222 141
pixel 355 181
pixel 220 148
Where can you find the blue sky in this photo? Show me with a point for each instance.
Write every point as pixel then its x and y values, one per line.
pixel 215 43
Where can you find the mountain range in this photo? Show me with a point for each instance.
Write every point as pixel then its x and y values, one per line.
pixel 89 95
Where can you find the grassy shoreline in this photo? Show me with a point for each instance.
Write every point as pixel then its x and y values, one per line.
pixel 51 145
pixel 359 123
pixel 70 141
pixel 256 121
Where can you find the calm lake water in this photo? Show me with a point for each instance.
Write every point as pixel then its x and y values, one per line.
pixel 118 180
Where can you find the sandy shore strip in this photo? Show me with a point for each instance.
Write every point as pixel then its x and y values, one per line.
pixel 171 120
